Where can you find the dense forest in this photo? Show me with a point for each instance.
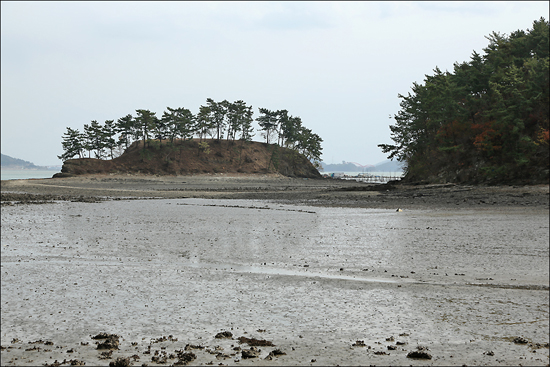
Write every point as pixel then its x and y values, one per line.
pixel 218 120
pixel 487 121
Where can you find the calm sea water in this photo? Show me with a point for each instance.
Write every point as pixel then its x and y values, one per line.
pixel 22 174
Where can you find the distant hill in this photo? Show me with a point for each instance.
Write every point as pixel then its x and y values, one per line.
pixel 389 166
pixel 385 166
pixel 16 163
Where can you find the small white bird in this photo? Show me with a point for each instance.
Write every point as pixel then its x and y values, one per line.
pixel 399 210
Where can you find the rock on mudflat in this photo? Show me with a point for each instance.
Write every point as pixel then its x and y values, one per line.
pixel 420 353
pixel 253 352
pixel 224 334
pixel 520 340
pixel 111 341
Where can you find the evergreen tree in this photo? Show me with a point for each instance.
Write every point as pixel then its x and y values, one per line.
pixel 108 136
pixel 126 127
pixel 94 139
pixel 268 123
pixel 72 144
pixel 145 122
pixel 218 111
pixel 203 122
pixel 489 118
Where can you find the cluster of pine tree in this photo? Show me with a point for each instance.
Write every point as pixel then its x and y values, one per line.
pixel 487 120
pixel 215 119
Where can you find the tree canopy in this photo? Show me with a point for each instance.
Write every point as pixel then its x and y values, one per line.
pixel 215 119
pixel 488 119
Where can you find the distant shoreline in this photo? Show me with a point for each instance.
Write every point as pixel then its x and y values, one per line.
pixel 276 187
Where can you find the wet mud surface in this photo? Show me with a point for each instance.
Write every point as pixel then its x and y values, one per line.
pixel 262 282
pixel 316 192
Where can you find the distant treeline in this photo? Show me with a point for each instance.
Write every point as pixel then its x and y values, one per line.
pixel 487 120
pixel 218 120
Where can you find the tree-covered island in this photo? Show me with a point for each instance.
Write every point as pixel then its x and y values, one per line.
pixel 487 121
pixel 178 131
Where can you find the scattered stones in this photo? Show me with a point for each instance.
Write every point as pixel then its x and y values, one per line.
pixel 184 358
pixel 489 353
pixel 539 345
pixel 380 353
pixel 359 343
pixel 72 362
pixel 160 357
pixel 390 339
pixel 392 347
pixel 106 355
pixel 520 340
pixel 163 339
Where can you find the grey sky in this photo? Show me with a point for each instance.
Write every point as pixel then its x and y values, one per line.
pixel 337 65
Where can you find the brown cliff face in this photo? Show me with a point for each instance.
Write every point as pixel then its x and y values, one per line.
pixel 185 158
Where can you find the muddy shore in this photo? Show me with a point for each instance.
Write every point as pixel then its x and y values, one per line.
pixel 315 192
pixel 268 270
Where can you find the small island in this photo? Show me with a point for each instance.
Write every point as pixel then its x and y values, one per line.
pixel 216 140
pixel 194 157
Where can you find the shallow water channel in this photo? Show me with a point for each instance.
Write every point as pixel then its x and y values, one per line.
pixel 461 282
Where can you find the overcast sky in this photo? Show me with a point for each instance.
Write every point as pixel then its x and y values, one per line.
pixel 337 65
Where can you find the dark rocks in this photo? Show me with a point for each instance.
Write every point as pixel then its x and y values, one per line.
pixel 111 341
pixel 224 334
pixel 120 362
pixel 520 340
pixel 255 342
pixel 420 353
pixel 62 175
pixel 191 346
pixel 185 358
pixel 275 353
pixel 253 352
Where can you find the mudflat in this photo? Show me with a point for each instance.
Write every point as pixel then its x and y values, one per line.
pixel 321 192
pixel 268 270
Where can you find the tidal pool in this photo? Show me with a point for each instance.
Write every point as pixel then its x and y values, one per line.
pixel 312 280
